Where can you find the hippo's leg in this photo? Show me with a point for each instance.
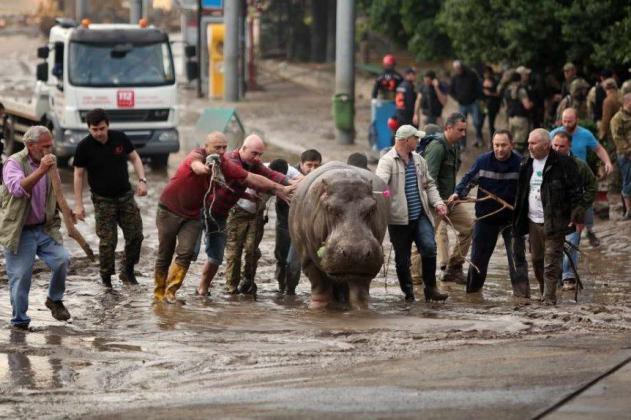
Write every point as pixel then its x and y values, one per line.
pixel 358 294
pixel 321 288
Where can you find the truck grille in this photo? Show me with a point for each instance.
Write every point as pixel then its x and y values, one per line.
pixel 133 115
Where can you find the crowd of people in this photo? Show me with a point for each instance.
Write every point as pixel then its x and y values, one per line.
pixel 533 182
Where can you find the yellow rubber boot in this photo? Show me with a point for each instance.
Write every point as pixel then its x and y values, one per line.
pixel 174 281
pixel 160 283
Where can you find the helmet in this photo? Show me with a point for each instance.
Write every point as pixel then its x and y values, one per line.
pixel 389 61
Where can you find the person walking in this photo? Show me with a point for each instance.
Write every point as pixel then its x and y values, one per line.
pixel 413 194
pixel 621 134
pixel 548 203
pixel 29 226
pixel 103 155
pixel 466 89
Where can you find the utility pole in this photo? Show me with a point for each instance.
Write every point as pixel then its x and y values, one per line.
pixel 231 50
pixel 145 9
pixel 135 11
pixel 344 105
pixel 81 9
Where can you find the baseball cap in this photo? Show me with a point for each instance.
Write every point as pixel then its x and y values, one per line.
pixel 409 70
pixel 522 70
pixel 568 66
pixel 407 130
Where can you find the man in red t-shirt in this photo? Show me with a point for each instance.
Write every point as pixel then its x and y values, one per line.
pixel 181 205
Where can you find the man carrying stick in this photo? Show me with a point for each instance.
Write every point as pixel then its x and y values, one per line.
pixel 496 173
pixel 29 226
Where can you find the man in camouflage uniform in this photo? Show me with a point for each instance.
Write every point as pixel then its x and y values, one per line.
pixel 103 155
pixel 576 99
pixel 621 133
pixel 244 231
pixel 518 106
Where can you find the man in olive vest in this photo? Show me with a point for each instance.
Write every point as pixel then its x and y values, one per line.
pixel 29 226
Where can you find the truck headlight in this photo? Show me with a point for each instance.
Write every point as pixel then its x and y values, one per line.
pixel 74 137
pixel 168 135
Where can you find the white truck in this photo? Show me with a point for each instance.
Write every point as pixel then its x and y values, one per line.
pixel 125 69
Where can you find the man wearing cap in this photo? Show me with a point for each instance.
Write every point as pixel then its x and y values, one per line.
pixel 413 194
pixel 518 106
pixel 405 97
pixel 386 84
pixel 443 160
pixel 569 74
pixel 577 99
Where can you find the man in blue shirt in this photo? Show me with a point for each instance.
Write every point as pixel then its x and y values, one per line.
pixel 496 172
pixel 582 141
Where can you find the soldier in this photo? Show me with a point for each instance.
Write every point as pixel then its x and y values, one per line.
pixel 104 154
pixel 386 84
pixel 621 133
pixel 518 106
pixel 406 97
pixel 577 99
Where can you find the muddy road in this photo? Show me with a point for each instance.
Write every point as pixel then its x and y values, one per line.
pixel 234 356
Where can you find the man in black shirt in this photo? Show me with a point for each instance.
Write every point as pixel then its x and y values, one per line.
pixel 406 97
pixel 431 99
pixel 104 154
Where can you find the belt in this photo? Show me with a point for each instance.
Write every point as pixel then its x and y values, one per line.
pixel 35 226
pixel 120 199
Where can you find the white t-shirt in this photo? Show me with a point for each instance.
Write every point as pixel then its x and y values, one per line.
pixel 251 206
pixel 535 206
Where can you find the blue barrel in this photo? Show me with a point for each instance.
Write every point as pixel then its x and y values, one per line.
pixel 381 111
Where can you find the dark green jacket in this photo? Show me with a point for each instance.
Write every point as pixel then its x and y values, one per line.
pixel 589 183
pixel 443 162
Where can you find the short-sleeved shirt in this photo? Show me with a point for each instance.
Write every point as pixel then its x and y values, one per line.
pixel 582 141
pixel 535 205
pixel 106 164
pixel 185 191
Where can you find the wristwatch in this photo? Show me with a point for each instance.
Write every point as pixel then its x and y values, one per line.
pixel 142 180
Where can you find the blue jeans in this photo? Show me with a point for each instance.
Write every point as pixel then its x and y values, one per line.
pixel 482 246
pixel 575 239
pixel 34 241
pixel 420 232
pixel 624 165
pixel 215 237
pixel 477 116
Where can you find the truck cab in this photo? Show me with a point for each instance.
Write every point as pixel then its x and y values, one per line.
pixel 125 69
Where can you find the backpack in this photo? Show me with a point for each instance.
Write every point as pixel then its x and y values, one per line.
pixel 425 141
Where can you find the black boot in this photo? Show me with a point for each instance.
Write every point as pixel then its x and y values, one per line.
pixel 106 280
pixel 128 276
pixel 247 287
pixel 429 278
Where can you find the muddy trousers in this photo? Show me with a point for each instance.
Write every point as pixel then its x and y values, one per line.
pixel 292 270
pixel 281 250
pixel 244 230
pixel 176 235
pixel 546 252
pixel 463 223
pixel 484 240
pixel 109 214
pixel 421 233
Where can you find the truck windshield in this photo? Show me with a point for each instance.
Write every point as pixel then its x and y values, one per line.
pixel 120 64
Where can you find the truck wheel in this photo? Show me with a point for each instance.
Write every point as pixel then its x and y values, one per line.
pixel 11 145
pixel 159 161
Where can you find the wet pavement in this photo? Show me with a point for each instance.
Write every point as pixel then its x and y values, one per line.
pixel 487 355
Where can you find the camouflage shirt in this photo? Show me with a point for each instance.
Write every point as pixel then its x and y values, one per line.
pixel 621 131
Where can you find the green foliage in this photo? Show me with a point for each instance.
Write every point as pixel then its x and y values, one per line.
pixel 537 33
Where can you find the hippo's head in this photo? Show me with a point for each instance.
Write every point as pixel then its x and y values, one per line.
pixel 350 222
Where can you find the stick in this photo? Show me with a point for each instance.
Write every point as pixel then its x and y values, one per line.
pixel 67 213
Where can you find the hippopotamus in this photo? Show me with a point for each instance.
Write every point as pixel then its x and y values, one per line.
pixel 337 220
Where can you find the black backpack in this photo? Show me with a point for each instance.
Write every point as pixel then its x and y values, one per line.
pixel 425 141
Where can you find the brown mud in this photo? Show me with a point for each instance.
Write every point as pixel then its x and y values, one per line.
pixel 270 356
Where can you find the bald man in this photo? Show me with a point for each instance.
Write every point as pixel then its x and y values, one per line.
pixel 549 204
pixel 583 141
pixel 188 195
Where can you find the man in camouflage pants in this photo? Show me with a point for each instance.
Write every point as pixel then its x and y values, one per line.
pixel 244 231
pixel 103 154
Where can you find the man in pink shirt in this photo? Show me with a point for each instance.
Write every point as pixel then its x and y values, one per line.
pixel 29 226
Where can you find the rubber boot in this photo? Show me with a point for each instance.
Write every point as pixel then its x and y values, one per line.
pixel 247 287
pixel 280 277
pixel 431 291
pixel 174 281
pixel 160 282
pixel 128 276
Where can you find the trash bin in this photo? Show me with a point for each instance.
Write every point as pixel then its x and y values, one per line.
pixel 344 111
